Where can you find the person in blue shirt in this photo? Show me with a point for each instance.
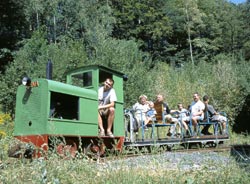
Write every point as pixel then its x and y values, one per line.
pixel 150 114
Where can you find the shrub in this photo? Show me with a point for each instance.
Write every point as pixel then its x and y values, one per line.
pixel 222 81
pixel 6 125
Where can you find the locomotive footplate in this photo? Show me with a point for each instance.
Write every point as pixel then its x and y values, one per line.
pixel 173 141
pixel 150 142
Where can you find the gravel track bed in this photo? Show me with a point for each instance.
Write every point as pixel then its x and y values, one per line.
pixel 171 161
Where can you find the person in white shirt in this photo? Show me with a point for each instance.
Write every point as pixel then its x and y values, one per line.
pixel 140 108
pixel 107 98
pixel 197 108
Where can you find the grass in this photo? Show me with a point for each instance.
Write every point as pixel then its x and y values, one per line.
pixel 56 170
pixel 153 169
pixel 243 138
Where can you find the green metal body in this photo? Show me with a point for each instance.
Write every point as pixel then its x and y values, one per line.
pixel 33 107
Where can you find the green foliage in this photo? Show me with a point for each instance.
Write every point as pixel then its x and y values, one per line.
pixel 126 57
pixel 31 61
pixel 175 29
pixel 165 29
pixel 6 125
pixel 223 82
pixel 77 19
pixel 114 34
pixel 146 22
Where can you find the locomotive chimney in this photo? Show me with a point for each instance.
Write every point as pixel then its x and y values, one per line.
pixel 49 68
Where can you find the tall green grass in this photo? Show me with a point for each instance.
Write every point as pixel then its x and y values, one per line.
pixel 153 169
pixel 57 170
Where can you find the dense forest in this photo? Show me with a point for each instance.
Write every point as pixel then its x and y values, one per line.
pixel 173 47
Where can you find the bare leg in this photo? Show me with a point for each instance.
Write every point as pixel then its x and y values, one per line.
pixel 100 122
pixel 111 117
pixel 224 125
pixel 194 121
pixel 177 125
pixel 147 121
pixel 184 124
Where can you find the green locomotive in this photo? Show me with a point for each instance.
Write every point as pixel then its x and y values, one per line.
pixel 46 109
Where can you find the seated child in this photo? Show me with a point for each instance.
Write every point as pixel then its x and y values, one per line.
pixel 150 115
pixel 182 115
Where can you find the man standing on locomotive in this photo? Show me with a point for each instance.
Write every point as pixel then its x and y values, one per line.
pixel 197 108
pixel 107 98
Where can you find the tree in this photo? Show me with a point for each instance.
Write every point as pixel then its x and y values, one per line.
pixel 243 37
pixel 13 29
pixel 146 22
pixel 193 22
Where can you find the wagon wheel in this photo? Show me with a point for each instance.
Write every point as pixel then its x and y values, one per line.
pixel 202 144
pixel 170 147
pixel 67 150
pixel 187 145
pixel 214 144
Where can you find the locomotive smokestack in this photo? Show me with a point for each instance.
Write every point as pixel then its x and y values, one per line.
pixel 49 69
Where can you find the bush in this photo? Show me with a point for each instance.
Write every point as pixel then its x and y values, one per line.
pixel 221 81
pixel 6 125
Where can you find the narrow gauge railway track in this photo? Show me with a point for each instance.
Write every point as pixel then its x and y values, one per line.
pixel 187 150
pixel 203 150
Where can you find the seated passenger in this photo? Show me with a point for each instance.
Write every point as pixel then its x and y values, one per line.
pixel 150 115
pixel 140 109
pixel 107 98
pixel 168 117
pixel 214 116
pixel 197 108
pixel 183 116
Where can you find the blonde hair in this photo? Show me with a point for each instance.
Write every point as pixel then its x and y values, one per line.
pixel 143 96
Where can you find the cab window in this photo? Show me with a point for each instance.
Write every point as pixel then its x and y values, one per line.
pixel 82 79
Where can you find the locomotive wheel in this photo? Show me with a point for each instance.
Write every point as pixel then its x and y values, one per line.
pixel 170 147
pixel 98 149
pixel 67 150
pixel 94 151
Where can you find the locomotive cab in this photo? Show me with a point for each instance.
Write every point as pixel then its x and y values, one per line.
pixel 93 77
